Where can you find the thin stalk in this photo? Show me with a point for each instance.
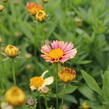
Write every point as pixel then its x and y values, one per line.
pixel 40 103
pixel 13 71
pixel 46 105
pixel 56 86
pixel 62 102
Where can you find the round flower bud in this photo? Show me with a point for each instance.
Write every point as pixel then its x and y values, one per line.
pixel 85 105
pixel 44 90
pixel 15 96
pixel 4 0
pixel 45 1
pixel 30 102
pixel 1 7
pixel 66 74
pixel 41 16
pixel 11 51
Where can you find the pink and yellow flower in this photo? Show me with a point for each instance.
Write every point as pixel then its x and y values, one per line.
pixel 58 51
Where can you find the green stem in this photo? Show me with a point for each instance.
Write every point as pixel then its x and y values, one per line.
pixel 40 103
pixel 46 105
pixel 62 102
pixel 56 86
pixel 13 72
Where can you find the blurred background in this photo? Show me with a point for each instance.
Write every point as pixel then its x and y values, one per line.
pixel 82 22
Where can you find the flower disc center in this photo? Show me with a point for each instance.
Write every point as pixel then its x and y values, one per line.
pixel 37 81
pixel 56 53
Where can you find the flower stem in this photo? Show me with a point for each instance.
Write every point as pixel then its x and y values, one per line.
pixel 40 103
pixel 13 71
pixel 46 105
pixel 62 102
pixel 56 85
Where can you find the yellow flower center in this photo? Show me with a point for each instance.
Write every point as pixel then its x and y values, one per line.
pixel 56 54
pixel 37 81
pixel 40 14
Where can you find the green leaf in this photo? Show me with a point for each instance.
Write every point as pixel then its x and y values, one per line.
pixel 105 89
pixel 84 90
pixel 91 82
pixel 67 90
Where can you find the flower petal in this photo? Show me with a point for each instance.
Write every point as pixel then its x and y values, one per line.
pixel 32 88
pixel 49 80
pixel 45 49
pixel 43 74
pixel 68 47
pixel 55 44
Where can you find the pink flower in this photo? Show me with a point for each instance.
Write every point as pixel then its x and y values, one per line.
pixel 58 51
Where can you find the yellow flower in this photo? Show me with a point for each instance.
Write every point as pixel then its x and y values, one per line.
pixel 33 7
pixel 41 16
pixel 66 74
pixel 85 105
pixel 11 51
pixel 15 96
pixel 1 7
pixel 39 82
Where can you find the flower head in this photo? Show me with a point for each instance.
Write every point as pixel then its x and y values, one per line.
pixel 15 96
pixel 41 16
pixel 31 102
pixel 66 74
pixel 45 1
pixel 1 7
pixel 33 7
pixel 11 51
pixel 45 90
pixel 39 82
pixel 58 51
pixel 85 105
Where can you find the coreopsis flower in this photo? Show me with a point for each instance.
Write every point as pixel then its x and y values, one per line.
pixel 1 7
pixel 58 51
pixel 11 51
pixel 33 7
pixel 66 74
pixel 15 96
pixel 39 82
pixel 41 16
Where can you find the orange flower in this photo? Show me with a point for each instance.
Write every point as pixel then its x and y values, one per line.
pixel 66 74
pixel 33 7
